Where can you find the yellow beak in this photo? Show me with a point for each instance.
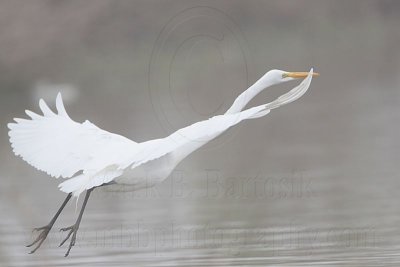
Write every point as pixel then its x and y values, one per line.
pixel 298 75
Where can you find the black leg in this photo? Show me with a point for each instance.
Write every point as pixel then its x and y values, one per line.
pixel 46 229
pixel 74 228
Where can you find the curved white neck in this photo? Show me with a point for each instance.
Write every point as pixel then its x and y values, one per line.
pixel 245 97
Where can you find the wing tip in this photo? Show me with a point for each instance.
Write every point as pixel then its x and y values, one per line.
pixel 11 126
pixel 60 106
pixel 45 109
pixel 58 99
pixel 32 114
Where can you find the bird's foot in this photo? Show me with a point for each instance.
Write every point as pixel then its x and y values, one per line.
pixel 73 229
pixel 41 237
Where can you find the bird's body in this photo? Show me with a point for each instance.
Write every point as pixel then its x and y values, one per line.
pixel 90 157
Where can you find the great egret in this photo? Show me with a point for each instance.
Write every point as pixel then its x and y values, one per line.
pixel 92 157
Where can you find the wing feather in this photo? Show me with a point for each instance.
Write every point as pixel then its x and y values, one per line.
pixel 61 147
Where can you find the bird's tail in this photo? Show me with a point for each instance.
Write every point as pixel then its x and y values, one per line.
pixel 75 185
pixel 87 180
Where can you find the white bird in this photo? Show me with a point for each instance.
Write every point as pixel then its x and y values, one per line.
pixel 91 157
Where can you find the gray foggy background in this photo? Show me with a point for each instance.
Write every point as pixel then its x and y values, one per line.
pixel 314 182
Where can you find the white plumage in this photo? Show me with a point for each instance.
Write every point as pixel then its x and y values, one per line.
pixel 90 156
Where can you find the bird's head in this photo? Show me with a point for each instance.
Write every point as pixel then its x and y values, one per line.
pixel 280 76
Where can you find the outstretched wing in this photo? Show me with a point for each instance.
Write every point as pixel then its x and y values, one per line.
pixel 61 147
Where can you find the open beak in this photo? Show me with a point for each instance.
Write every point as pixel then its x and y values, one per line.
pixel 298 75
